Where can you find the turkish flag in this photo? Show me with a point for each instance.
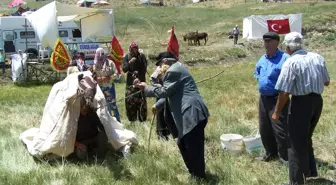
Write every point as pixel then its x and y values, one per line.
pixel 280 26
pixel 173 45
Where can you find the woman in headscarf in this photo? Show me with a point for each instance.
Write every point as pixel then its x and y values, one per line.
pixel 135 65
pixel 105 72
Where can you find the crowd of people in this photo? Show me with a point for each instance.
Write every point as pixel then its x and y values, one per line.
pixel 286 124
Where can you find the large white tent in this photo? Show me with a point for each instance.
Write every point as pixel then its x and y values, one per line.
pixel 94 22
pixel 255 26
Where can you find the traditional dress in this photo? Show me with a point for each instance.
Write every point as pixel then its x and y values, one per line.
pixel 106 68
pixel 136 105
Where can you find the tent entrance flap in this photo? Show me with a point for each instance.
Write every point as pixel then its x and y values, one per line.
pixel 96 24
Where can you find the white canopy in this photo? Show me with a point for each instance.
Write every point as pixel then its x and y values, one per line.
pixel 94 22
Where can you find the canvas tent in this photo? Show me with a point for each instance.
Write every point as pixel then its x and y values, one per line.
pixel 93 22
pixel 255 26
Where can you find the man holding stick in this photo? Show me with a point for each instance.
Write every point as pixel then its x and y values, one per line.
pixel 188 109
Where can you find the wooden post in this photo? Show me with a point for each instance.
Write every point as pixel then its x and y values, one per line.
pixel 26 34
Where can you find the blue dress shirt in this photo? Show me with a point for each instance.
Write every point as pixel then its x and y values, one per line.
pixel 267 72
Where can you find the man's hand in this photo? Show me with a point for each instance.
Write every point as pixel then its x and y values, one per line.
pixel 154 110
pixel 136 81
pixel 141 85
pixel 275 117
pixel 80 146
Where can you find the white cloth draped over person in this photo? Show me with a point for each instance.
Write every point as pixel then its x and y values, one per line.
pixel 57 132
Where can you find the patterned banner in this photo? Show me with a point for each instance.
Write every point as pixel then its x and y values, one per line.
pixel 117 52
pixel 60 58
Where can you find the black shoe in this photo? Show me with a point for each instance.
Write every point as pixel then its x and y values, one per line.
pixel 266 158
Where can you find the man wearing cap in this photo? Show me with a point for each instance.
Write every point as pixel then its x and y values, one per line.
pixel 303 76
pixel 189 112
pixel 135 65
pixel 2 61
pixel 267 71
pixel 165 124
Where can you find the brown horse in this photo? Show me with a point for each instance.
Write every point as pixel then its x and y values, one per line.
pixel 201 36
pixel 191 37
pixel 195 37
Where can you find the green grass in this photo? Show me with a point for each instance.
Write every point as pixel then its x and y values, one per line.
pixel 232 101
pixel 231 98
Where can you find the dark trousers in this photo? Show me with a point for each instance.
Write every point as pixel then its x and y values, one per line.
pixel 235 39
pixel 165 124
pixel 273 135
pixel 96 146
pixel 161 125
pixel 3 66
pixel 304 114
pixel 191 148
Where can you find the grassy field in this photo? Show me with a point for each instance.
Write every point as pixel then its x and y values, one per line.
pixel 231 98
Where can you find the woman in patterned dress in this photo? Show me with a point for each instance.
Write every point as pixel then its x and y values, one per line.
pixel 105 71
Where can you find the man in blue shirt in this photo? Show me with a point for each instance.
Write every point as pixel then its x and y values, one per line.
pixel 273 134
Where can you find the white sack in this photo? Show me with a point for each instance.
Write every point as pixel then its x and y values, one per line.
pixel 19 67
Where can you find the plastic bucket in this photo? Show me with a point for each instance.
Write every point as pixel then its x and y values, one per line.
pixel 232 142
pixel 253 142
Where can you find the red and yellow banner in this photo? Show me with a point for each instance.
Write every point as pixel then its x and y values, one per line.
pixel 60 58
pixel 117 52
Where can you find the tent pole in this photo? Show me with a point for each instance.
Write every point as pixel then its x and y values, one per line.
pixel 113 27
pixel 26 34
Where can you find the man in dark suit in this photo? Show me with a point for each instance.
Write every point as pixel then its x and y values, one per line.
pixel 188 109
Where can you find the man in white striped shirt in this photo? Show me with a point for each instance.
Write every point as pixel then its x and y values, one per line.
pixel 303 76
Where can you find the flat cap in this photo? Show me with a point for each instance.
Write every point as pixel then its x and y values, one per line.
pixel 271 36
pixel 164 55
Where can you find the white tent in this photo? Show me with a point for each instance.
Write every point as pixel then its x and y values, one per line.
pixel 255 26
pixel 94 22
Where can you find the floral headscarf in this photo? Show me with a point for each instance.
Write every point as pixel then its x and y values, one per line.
pixel 133 45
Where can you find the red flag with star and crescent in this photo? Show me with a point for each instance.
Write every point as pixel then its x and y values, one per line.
pixel 280 26
pixel 173 45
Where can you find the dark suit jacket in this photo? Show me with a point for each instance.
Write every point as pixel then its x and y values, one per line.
pixel 186 104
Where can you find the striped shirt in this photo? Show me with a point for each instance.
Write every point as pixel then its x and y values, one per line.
pixel 303 73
